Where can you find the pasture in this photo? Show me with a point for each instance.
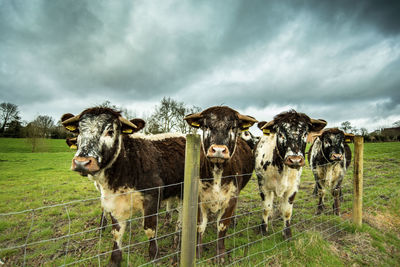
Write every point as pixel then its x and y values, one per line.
pixel 50 215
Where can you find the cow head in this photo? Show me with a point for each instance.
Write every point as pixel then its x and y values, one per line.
pixel 332 143
pixel 291 130
pixel 99 137
pixel 221 127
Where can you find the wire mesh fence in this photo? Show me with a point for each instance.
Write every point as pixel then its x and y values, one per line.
pixel 70 233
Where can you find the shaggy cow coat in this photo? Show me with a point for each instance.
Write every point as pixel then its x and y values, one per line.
pixel 133 172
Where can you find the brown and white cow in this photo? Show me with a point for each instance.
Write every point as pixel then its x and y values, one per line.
pixel 329 157
pixel 226 165
pixel 279 160
pixel 133 172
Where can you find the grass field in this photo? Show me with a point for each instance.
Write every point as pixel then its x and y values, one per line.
pixel 49 216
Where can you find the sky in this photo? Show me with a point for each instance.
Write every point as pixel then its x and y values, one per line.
pixel 333 60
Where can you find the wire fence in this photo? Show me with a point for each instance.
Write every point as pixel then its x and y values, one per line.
pixel 58 236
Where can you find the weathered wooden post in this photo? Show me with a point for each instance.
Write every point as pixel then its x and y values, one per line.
pixel 190 199
pixel 358 179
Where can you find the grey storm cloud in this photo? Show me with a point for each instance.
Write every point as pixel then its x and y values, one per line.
pixel 325 55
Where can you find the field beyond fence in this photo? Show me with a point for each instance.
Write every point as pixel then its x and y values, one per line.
pixel 50 216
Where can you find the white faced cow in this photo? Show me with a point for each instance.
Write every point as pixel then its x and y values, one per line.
pixel 329 158
pixel 133 172
pixel 279 161
pixel 227 163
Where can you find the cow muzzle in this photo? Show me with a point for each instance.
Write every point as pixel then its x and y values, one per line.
pixel 85 165
pixel 218 153
pixel 336 157
pixel 294 161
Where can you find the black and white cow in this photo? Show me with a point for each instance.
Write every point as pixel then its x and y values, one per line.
pixel 226 165
pixel 133 171
pixel 279 157
pixel 250 139
pixel 329 157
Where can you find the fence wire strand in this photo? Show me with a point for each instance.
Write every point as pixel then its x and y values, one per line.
pixel 243 227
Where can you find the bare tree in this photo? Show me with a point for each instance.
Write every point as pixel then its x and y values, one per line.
pixel 8 112
pixel 44 123
pixel 363 132
pixel 168 117
pixel 346 126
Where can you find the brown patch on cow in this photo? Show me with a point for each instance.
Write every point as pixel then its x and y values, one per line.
pixel 115 225
pixel 101 110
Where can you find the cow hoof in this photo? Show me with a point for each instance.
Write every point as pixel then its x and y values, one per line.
pixel 263 229
pixel 114 264
pixel 287 233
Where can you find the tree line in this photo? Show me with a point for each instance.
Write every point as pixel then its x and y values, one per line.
pixel 167 116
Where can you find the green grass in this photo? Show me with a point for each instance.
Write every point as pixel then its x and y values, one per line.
pixel 43 180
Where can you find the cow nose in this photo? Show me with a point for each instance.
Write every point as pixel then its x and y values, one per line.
pixel 84 165
pixel 294 161
pixel 336 156
pixel 218 151
pixel 81 164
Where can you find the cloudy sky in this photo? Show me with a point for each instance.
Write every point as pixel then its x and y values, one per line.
pixel 336 60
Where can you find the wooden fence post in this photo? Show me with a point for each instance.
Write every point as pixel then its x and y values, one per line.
pixel 358 179
pixel 190 199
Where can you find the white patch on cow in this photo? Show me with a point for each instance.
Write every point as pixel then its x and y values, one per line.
pixel 204 219
pixel 317 146
pixel 156 137
pixel 265 147
pixel 121 203
pixel 150 233
pixel 214 198
pixel 330 174
pixel 118 234
pixel 221 227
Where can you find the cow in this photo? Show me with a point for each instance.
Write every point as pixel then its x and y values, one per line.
pixel 226 165
pixel 329 157
pixel 134 172
pixel 279 158
pixel 250 139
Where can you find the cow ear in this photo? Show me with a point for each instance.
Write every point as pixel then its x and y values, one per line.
pixel 71 142
pixel 70 122
pixel 139 123
pixel 245 122
pixel 266 127
pixel 127 126
pixel 348 138
pixel 194 120
pixel 317 125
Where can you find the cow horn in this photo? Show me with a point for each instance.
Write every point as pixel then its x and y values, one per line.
pixel 126 122
pixel 268 124
pixel 193 116
pixel 71 120
pixel 349 134
pixel 321 121
pixel 247 118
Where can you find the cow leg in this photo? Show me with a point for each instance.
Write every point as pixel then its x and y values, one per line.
pixel 223 223
pixel 177 234
pixel 103 220
pixel 201 216
pixel 268 202
pixel 168 215
pixel 321 195
pixel 150 225
pixel 118 229
pixel 336 193
pixel 286 209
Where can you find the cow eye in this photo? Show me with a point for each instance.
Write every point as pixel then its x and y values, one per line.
pixel 110 133
pixel 281 136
